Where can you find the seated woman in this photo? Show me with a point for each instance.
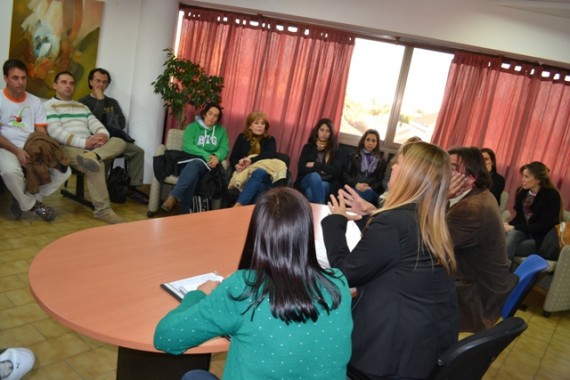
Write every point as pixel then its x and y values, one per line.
pixel 405 314
pixel 498 180
pixel 254 140
pixel 365 167
pixel 320 164
pixel 286 316
pixel 538 207
pixel 208 141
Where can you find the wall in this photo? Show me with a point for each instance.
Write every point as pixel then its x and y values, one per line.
pixel 134 32
pixel 133 35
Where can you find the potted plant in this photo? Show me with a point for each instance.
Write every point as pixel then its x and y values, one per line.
pixel 184 82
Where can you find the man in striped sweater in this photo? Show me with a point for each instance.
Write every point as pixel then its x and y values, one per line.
pixel 86 142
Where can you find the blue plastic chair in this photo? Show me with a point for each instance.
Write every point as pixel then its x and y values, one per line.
pixel 527 273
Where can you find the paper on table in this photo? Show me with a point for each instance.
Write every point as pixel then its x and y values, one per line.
pixel 353 234
pixel 179 288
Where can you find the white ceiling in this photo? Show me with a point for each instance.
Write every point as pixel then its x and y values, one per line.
pixel 559 8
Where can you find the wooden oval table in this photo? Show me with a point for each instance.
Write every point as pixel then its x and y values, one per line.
pixel 104 282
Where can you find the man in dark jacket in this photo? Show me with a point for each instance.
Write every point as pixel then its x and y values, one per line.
pixel 109 113
pixel 483 277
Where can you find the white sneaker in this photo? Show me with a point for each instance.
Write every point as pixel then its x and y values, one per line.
pixel 15 363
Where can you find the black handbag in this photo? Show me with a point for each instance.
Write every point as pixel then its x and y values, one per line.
pixel 118 184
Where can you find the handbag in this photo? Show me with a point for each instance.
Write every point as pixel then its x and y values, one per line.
pixel 118 184
pixel 563 231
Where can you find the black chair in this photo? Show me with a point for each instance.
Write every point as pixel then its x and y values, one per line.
pixel 287 181
pixel 79 195
pixel 470 358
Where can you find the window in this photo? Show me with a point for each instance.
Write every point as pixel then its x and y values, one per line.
pixel 394 89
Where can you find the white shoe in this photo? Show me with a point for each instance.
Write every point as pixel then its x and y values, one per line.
pixel 15 363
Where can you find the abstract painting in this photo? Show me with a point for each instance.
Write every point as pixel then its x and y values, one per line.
pixel 50 36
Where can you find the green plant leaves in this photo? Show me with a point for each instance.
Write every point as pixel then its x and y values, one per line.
pixel 184 82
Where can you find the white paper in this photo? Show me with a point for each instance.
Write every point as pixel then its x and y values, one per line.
pixel 181 287
pixel 353 235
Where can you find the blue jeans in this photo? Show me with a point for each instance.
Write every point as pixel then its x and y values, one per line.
pixel 369 195
pixel 258 182
pixel 198 374
pixel 187 181
pixel 519 243
pixel 315 189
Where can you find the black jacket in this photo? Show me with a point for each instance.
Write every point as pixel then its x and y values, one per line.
pixel 241 149
pixel 405 314
pixel 352 174
pixel 498 185
pixel 331 172
pixel 546 213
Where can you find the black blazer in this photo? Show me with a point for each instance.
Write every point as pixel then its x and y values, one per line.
pixel 546 213
pixel 405 314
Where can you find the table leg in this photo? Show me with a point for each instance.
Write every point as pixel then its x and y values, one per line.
pixel 142 365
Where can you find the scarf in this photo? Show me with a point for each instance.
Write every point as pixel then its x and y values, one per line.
pixel 369 161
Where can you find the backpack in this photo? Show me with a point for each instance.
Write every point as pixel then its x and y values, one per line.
pixel 118 184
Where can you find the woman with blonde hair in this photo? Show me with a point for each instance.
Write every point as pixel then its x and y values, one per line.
pixel 405 313
pixel 252 145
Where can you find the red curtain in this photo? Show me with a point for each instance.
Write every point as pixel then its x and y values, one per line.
pixel 519 112
pixel 296 74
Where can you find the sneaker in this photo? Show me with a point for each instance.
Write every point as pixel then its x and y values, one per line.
pixel 45 212
pixel 15 363
pixel 110 217
pixel 16 211
pixel 89 161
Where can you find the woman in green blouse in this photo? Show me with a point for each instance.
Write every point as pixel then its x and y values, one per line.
pixel 287 317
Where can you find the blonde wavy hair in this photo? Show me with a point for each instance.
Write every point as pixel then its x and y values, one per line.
pixel 423 178
pixel 254 144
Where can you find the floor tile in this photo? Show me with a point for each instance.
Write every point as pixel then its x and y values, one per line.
pixel 542 352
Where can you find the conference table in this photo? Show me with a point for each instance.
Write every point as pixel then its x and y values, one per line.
pixel 104 282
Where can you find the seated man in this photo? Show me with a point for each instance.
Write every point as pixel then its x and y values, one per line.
pixel 86 142
pixel 483 278
pixel 22 113
pixel 108 112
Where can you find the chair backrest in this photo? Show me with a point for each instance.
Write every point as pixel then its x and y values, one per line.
pixel 527 273
pixel 287 181
pixel 470 358
pixel 174 139
pixel 504 201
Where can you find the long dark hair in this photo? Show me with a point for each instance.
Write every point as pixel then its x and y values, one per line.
pixel 280 250
pixel 474 163
pixel 492 156
pixel 360 146
pixel 331 148
pixel 542 174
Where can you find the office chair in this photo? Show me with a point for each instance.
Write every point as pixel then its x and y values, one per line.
pixel 470 358
pixel 527 273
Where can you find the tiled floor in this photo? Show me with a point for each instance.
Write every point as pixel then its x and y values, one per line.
pixel 542 352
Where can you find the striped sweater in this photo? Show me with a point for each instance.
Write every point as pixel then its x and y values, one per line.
pixel 71 123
